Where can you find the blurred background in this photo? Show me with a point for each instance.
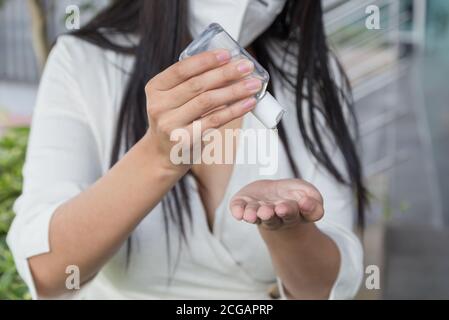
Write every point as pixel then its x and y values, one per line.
pixel 399 75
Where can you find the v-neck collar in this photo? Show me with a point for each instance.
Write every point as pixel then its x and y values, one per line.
pixel 219 213
pixel 221 208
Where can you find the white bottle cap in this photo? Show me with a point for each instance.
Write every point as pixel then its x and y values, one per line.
pixel 269 111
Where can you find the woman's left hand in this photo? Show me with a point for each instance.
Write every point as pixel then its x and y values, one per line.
pixel 278 204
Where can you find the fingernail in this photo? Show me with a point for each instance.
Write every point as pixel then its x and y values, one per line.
pixel 223 55
pixel 249 104
pixel 245 67
pixel 253 85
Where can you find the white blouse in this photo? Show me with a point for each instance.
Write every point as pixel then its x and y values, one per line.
pixel 69 149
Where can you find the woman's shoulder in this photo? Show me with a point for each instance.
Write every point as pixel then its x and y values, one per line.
pixel 69 48
pixel 74 43
pixel 84 80
pixel 85 55
pixel 97 74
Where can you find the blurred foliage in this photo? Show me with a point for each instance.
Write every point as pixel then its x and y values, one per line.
pixel 12 155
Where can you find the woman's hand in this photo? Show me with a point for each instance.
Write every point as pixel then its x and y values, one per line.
pixel 206 87
pixel 305 258
pixel 278 204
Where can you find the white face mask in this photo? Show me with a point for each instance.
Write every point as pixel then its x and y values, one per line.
pixel 244 20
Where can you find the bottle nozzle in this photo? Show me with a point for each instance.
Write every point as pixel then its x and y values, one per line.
pixel 269 111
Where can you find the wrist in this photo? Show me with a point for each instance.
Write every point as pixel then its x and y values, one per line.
pixel 160 159
pixel 301 232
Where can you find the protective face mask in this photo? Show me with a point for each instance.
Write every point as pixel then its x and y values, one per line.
pixel 214 37
pixel 244 20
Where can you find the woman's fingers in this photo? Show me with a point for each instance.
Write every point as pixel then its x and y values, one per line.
pixel 210 80
pixel 238 208
pixel 192 133
pixel 225 115
pixel 188 68
pixel 288 211
pixel 278 204
pixel 268 218
pixel 250 213
pixel 274 216
pixel 311 209
pixel 210 100
pixel 265 212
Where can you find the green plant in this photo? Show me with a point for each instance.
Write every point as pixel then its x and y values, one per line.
pixel 12 154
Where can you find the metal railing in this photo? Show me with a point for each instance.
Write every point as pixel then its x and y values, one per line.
pixel 367 54
pixel 374 59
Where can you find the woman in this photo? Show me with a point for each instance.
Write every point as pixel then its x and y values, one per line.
pixel 102 197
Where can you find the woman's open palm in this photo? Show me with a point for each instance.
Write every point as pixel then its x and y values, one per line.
pixel 278 204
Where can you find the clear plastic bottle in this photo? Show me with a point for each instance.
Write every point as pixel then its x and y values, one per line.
pixel 268 110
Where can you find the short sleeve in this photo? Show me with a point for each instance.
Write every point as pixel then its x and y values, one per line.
pixel 62 158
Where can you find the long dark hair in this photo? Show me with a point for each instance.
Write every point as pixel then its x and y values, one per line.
pixel 161 26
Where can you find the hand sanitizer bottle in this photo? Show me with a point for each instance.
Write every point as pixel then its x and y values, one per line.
pixel 268 110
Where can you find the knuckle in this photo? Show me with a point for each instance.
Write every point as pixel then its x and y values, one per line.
pixel 154 111
pixel 149 87
pixel 205 100
pixel 209 59
pixel 179 71
pixel 195 85
pixel 233 112
pixel 228 73
pixel 214 121
pixel 155 104
pixel 236 91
